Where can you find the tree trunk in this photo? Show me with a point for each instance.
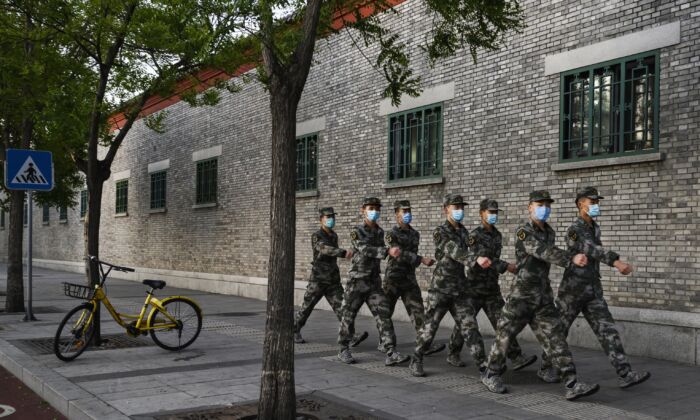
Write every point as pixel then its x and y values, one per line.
pixel 277 392
pixel 92 239
pixel 15 280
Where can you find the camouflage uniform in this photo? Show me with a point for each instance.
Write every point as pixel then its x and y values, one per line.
pixel 364 286
pixel 446 292
pixel 483 292
pixel 581 290
pixel 531 300
pixel 325 275
pixel 400 277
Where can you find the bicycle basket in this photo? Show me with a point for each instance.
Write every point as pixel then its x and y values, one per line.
pixel 78 291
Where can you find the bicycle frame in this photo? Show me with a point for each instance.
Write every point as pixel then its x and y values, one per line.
pixel 122 318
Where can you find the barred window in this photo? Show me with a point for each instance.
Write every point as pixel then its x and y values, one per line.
pixel 83 203
pixel 415 143
pixel 63 213
pixel 122 197
pixel 610 109
pixel 307 162
pixel 158 188
pixel 206 181
pixel 46 214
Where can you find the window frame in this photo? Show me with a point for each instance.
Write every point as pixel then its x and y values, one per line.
pixel 164 189
pixel 117 196
pixel 439 157
pixel 84 205
pixel 620 136
pixel 296 163
pixel 197 182
pixel 45 214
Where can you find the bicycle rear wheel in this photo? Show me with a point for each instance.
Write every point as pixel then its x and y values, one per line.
pixel 74 333
pixel 189 324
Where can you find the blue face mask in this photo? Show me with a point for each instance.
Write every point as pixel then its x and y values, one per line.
pixel 492 219
pixel 458 215
pixel 330 223
pixel 373 215
pixel 594 210
pixel 542 213
pixel 407 217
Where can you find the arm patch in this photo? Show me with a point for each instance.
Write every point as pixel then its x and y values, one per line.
pixel 389 238
pixel 353 235
pixel 521 234
pixel 472 240
pixel 572 235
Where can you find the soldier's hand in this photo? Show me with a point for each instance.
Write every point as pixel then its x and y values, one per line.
pixel 623 267
pixel 395 251
pixel 348 254
pixel 483 262
pixel 512 268
pixel 580 260
pixel 427 261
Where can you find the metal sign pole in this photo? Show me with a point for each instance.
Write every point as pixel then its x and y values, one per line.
pixel 29 316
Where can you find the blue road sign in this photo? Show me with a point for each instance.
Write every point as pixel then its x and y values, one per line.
pixel 28 170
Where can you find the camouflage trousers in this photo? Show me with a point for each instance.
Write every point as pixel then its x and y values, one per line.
pixel 492 304
pixel 315 290
pixel 595 310
pixel 438 304
pixel 405 287
pixel 369 291
pixel 543 317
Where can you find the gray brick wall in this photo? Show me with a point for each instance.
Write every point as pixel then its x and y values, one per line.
pixel 501 134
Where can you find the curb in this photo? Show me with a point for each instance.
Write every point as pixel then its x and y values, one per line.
pixel 68 398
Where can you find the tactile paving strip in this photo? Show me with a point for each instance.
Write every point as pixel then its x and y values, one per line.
pixel 538 402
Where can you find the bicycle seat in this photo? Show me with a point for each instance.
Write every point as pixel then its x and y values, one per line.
pixel 156 284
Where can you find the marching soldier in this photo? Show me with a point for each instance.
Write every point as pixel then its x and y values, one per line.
pixel 531 301
pixel 582 291
pixel 365 286
pixel 483 292
pixel 325 275
pixel 400 277
pixel 446 291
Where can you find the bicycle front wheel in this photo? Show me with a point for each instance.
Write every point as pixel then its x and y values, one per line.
pixel 74 333
pixel 176 336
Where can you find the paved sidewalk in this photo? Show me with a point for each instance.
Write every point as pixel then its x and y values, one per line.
pixel 223 367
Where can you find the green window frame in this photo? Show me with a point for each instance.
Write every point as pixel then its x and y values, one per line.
pixel 206 181
pixel 62 213
pixel 122 197
pixel 45 214
pixel 158 189
pixel 415 144
pixel 83 203
pixel 610 109
pixel 307 162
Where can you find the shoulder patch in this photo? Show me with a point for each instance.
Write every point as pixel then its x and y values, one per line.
pixel 353 235
pixel 389 238
pixel 472 240
pixel 436 234
pixel 572 235
pixel 314 238
pixel 521 234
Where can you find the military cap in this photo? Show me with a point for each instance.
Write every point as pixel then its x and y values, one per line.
pixel 488 204
pixel 371 201
pixel 453 199
pixel 541 195
pixel 402 204
pixel 326 211
pixel 589 192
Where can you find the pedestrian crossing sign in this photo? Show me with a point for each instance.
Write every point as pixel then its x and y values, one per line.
pixel 28 170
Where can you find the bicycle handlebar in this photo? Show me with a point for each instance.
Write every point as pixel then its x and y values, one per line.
pixel 114 267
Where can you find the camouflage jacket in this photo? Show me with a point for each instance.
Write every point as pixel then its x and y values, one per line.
pixel 407 240
pixel 582 238
pixel 452 254
pixel 485 243
pixel 535 253
pixel 326 253
pixel 369 250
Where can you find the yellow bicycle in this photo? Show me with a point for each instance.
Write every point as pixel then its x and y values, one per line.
pixel 174 322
